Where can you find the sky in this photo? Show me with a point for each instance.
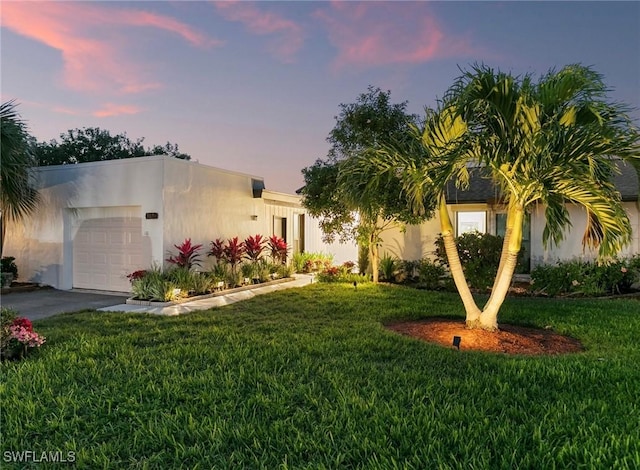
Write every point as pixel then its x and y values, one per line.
pixel 255 87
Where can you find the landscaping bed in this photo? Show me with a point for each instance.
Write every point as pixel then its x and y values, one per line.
pixel 134 301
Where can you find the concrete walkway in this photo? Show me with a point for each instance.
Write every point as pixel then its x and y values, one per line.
pixel 212 302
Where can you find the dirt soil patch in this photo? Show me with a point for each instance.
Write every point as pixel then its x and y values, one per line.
pixel 510 339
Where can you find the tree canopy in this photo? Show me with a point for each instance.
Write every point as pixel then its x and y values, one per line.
pixel 91 144
pixel 338 189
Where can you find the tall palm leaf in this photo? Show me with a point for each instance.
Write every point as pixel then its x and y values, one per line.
pixel 18 196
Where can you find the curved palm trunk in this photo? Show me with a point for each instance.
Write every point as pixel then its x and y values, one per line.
pixel 504 254
pixel 489 318
pixel 473 312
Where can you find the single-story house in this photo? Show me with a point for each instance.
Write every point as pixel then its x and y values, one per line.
pixel 100 221
pixel 479 208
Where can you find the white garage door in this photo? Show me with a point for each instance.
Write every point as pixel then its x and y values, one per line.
pixel 106 249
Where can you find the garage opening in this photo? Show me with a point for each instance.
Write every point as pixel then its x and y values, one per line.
pixel 106 247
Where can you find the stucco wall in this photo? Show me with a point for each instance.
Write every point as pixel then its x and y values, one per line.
pixel 204 203
pixel 341 251
pixel 42 244
pixel 571 246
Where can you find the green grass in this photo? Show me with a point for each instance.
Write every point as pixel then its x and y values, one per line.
pixel 310 378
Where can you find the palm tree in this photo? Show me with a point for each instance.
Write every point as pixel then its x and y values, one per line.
pixel 18 196
pixel 551 143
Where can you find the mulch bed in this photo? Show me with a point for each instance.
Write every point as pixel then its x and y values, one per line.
pixel 509 339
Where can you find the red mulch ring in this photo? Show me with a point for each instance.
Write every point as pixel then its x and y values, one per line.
pixel 509 339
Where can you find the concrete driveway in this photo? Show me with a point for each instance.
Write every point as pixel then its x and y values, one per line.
pixel 47 302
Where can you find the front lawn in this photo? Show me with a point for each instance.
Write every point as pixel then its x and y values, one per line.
pixel 310 378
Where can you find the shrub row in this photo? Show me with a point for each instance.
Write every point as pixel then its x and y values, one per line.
pixel 253 260
pixel 587 278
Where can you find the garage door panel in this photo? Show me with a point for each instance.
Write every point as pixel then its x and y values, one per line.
pixel 105 250
pixel 99 237
pixel 118 260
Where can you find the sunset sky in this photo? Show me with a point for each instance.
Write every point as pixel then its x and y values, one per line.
pixel 255 86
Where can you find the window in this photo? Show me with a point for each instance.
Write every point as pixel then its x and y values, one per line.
pixel 471 222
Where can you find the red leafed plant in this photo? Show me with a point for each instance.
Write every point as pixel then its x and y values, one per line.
pixel 134 276
pixel 233 252
pixel 253 247
pixel 278 248
pixel 217 250
pixel 187 255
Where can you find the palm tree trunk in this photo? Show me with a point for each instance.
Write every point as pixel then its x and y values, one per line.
pixel 3 232
pixel 374 256
pixel 505 251
pixel 472 310
pixel 489 316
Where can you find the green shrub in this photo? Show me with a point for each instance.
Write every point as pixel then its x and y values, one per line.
pixel 338 274
pixel 154 286
pixel 285 270
pixel 249 270
pixel 182 278
pixel 9 266
pixel 430 274
pixel 479 256
pixel 203 283
pixel 586 278
pixel 388 267
pixel 311 262
pixel 407 270
pixel 363 258
pixel 219 272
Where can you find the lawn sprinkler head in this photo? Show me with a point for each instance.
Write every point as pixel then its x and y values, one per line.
pixel 355 285
pixel 456 342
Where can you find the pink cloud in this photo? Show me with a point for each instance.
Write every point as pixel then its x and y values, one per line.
pixel 111 109
pixel 287 36
pixel 91 41
pixel 371 34
pixel 65 110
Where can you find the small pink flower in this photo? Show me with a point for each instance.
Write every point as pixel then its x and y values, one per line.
pixel 623 269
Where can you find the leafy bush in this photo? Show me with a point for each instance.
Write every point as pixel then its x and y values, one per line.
pixel 233 253
pixel 430 274
pixel 363 259
pixel 151 286
pixel 278 249
pixel 407 270
pixel 8 265
pixel 339 274
pixel 285 270
pixel 203 283
pixel 586 278
pixel 17 337
pixel 254 247
pixel 249 271
pixel 187 255
pixel 479 256
pixel 217 251
pixel 388 267
pixel 311 262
